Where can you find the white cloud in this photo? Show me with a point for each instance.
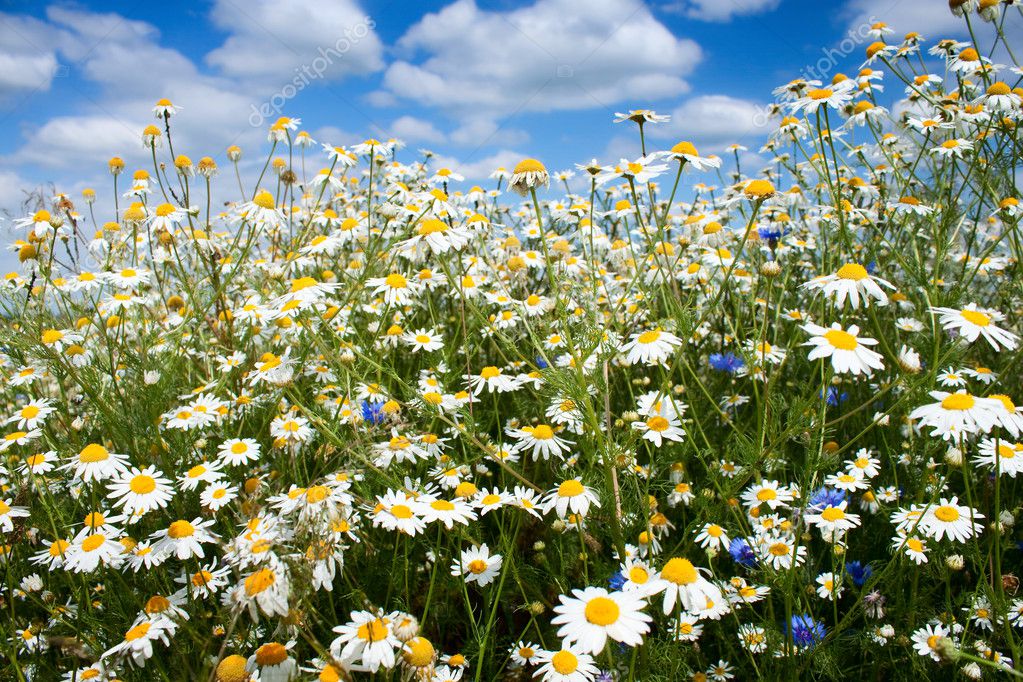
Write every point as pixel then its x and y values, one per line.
pixel 933 20
pixel 28 58
pixel 712 121
pixel 479 169
pixel 547 56
pixel 719 10
pixel 274 41
pixel 412 129
pixel 486 132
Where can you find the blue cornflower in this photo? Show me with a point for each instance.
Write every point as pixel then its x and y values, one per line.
pixel 827 497
pixel 742 553
pixel 615 582
pixel 726 362
pixel 806 632
pixel 770 233
pixel 372 412
pixel 541 363
pixel 858 572
pixel 834 396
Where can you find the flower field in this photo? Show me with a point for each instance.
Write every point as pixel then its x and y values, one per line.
pixel 669 418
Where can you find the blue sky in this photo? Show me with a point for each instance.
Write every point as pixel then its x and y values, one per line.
pixel 481 82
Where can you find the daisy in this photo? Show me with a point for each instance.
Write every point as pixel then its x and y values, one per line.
pixel 685 152
pixel 972 322
pixel 96 463
pixel 39 464
pixel 835 97
pixel 184 539
pixel 492 379
pixel 396 289
pixel 780 551
pixel 448 512
pixel 912 545
pixel 851 281
pixel 957 414
pixel 651 347
pixel 950 519
pixel 569 664
pixel 769 493
pixel 138 640
pixel 1001 456
pixel 32 414
pixel 713 536
pixel 685 628
pixel 273 662
pixel 528 174
pixel 641 116
pixel 847 351
pixel 540 441
pixel 204 472
pixel 572 496
pixel 18 438
pixel 929 640
pixel 396 512
pixel 266 589
pixel 657 429
pixel 1008 415
pixel 592 615
pixel 478 565
pixel 238 451
pixel 139 491
pixel 367 638
pixel 217 495
pixel 424 340
pixel 683 583
pixel 89 551
pixel 523 653
pixel 8 513
pixel 833 518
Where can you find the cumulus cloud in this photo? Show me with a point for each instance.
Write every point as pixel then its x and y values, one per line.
pixel 477 170
pixel 931 19
pixel 712 121
pixel 28 58
pixel 412 129
pixel 275 41
pixel 719 10
pixel 547 56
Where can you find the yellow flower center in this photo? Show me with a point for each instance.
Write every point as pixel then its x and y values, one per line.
pixel 853 271
pixel 946 513
pixel 373 631
pixel 602 611
pixel 180 529
pixel 396 281
pixel 649 337
pixel 273 653
pixel 137 632
pixel 975 317
pixel 570 488
pixel 259 581
pixel 142 484
pixel 658 424
pixel 680 572
pixel 564 662
pixel 832 514
pixel 543 432
pixel 958 401
pixel 841 340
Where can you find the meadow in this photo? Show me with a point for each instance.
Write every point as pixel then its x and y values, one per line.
pixel 668 418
